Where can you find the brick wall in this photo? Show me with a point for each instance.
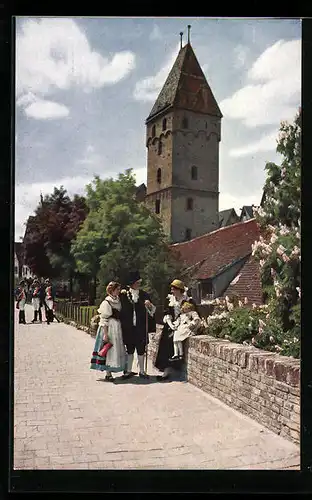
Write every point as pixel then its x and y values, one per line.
pixel 263 385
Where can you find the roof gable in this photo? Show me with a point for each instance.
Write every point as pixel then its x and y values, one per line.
pixel 186 86
pixel 247 283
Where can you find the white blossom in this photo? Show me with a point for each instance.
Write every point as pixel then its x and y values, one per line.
pixel 245 300
pixel 240 304
pixel 272 339
pixel 254 306
pixel 299 291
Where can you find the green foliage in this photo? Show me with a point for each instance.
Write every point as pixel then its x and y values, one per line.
pixel 120 234
pixel 276 325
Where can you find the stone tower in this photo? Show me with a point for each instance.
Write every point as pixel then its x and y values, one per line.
pixel 183 131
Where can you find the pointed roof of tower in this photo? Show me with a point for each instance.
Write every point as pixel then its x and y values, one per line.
pixel 186 87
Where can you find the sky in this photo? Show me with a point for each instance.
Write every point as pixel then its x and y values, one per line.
pixel 85 86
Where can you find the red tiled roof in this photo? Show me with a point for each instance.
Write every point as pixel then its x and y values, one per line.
pixel 211 252
pixel 248 283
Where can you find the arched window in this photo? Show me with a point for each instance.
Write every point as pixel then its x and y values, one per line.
pixel 185 122
pixel 159 175
pixel 157 206
pixel 164 124
pixel 153 130
pixel 188 233
pixel 159 147
pixel 189 204
pixel 194 173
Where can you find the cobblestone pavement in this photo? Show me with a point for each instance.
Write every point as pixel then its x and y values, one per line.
pixel 67 417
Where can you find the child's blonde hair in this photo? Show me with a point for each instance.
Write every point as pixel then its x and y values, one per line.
pixel 187 307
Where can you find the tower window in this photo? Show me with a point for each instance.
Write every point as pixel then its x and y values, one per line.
pixel 157 206
pixel 159 175
pixel 164 124
pixel 188 233
pixel 185 122
pixel 153 130
pixel 160 147
pixel 194 173
pixel 189 204
pixel 206 125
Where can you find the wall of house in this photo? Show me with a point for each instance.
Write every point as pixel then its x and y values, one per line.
pixel 16 266
pixel 222 280
pixel 262 385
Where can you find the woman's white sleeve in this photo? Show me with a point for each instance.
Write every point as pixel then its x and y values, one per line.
pixel 105 311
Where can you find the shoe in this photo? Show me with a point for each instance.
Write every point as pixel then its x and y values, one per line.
pixel 174 358
pixel 143 375
pixel 162 378
pixel 127 375
pixel 109 378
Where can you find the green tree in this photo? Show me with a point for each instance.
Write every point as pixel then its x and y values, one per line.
pixel 278 249
pixel 120 234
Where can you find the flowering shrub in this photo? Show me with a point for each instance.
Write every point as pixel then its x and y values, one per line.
pixel 274 326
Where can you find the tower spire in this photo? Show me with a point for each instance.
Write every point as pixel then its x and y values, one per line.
pixel 188 33
pixel 181 35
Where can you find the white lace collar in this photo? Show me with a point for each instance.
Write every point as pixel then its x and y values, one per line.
pixel 113 300
pixel 173 301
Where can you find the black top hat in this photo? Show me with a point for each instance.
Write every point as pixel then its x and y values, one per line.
pixel 133 277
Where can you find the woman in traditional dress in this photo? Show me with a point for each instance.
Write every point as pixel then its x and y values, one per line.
pixel 109 330
pixel 21 301
pixel 172 310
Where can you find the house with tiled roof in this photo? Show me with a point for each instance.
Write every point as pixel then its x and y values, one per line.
pixel 220 262
pixel 228 217
pixel 246 213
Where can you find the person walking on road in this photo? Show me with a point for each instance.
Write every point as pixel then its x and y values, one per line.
pixel 109 335
pixel 20 303
pixel 36 301
pixel 137 321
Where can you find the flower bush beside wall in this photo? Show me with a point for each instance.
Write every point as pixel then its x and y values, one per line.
pixel 274 326
pixel 237 321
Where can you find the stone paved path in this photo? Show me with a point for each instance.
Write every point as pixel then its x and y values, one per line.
pixel 67 417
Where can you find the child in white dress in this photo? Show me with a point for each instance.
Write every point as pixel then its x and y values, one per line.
pixel 184 326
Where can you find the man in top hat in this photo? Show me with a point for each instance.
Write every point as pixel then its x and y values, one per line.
pixel 36 300
pixel 137 321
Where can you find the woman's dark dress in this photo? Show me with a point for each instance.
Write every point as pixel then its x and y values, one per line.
pixel 165 346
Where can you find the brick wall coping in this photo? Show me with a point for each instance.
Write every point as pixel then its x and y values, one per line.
pixel 284 369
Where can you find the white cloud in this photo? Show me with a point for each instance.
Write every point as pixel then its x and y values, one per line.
pixel 227 200
pixel 140 175
pixel 266 143
pixel 43 110
pixel 149 88
pixel 27 196
pixel 240 55
pixel 156 33
pixel 275 95
pixel 55 54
